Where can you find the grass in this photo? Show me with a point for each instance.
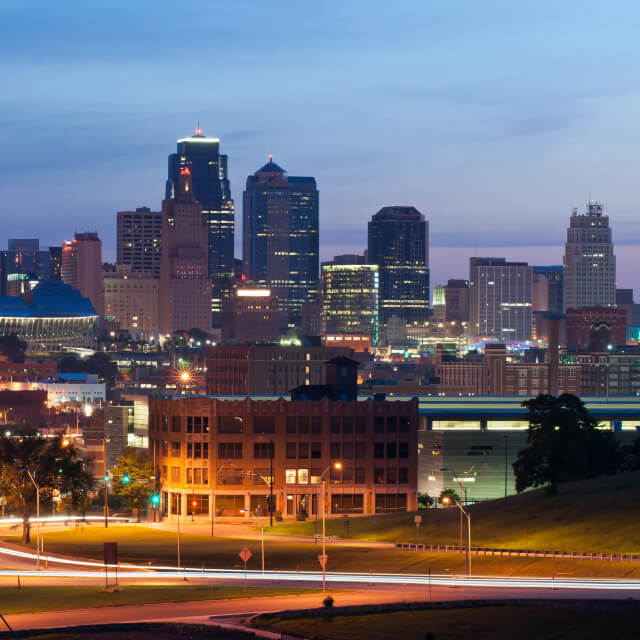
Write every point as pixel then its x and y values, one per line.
pixel 37 599
pixel 482 623
pixel 593 515
pixel 146 545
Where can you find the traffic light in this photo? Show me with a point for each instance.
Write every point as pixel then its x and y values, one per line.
pixel 106 477
pixel 242 474
pixel 155 499
pixel 126 478
pixel 60 470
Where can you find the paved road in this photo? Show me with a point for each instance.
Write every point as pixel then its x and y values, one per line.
pixel 201 612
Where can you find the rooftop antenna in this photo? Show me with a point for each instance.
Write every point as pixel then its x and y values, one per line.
pixel 198 129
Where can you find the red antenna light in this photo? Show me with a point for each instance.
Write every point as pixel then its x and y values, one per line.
pixel 270 157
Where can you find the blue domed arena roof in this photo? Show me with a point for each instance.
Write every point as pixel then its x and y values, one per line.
pixel 50 299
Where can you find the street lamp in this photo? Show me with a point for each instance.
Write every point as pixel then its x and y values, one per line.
pixel 461 478
pixel 447 500
pixel 35 484
pixel 335 465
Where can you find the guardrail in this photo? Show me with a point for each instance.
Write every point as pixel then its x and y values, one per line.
pixel 524 553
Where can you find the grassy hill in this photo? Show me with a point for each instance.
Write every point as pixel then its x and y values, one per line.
pixel 593 515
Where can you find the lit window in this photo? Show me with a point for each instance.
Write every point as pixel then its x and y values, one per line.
pixel 290 476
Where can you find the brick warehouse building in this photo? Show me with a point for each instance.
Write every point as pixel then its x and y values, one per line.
pixel 217 453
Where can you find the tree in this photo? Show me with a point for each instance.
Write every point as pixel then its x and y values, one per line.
pixel 55 465
pixel 12 347
pixel 564 444
pixel 132 480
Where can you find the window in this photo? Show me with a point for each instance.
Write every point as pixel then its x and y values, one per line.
pixel 403 475
pixel 378 475
pixel 163 475
pixel 292 425
pixel 165 423
pixel 404 425
pixel 290 476
pixel 264 424
pixel 175 424
pixel 360 450
pixel 391 450
pixel 164 448
pixel 379 425
pixel 361 424
pixel 347 475
pixel 175 449
pixel 303 450
pixel 303 476
pixel 316 450
pixel 230 450
pixel 347 450
pixel 335 424
pixel 197 476
pixel 391 475
pixel 292 449
pixel 316 424
pixel 404 450
pixel 303 424
pixel 347 424
pixel 378 450
pixel 360 475
pixel 198 504
pixel 230 424
pixel 315 476
pixel 392 424
pixel 347 503
pixel 389 502
pixel 175 475
pixel 335 475
pixel 335 450
pixel 262 450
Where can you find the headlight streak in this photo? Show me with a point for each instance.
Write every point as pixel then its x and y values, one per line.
pixel 143 571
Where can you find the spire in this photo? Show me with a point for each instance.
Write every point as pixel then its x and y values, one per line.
pixel 198 133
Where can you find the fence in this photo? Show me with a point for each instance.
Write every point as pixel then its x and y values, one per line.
pixel 524 553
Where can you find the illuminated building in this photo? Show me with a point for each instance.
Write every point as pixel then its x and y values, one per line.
pixel 52 317
pixel 358 343
pixel 399 245
pixel 140 240
pixel 55 263
pixel 280 238
pixel 596 329
pixel 350 299
pixel 250 315
pixel 218 453
pixel 456 300
pixel 82 267
pixel 208 169
pixel 185 289
pixel 589 262
pixel 22 258
pixel 131 299
pixel 500 299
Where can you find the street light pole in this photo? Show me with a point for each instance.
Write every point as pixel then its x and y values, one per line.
pixel 468 544
pixel 324 560
pixel 35 484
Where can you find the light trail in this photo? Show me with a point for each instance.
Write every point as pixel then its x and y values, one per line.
pixel 132 571
pixel 45 519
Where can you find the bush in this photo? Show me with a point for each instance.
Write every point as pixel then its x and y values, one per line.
pixel 278 516
pixel 327 603
pixel 301 516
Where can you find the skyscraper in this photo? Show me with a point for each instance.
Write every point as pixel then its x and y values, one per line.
pixel 82 267
pixel 22 258
pixel 550 278
pixel 185 288
pixel 350 299
pixel 208 169
pixel 589 262
pixel 140 240
pixel 280 237
pixel 399 245
pixel 500 299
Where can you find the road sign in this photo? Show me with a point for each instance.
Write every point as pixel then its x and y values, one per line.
pixel 111 553
pixel 245 554
pixel 417 520
pixel 322 559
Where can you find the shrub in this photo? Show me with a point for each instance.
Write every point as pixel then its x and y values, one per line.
pixel 327 603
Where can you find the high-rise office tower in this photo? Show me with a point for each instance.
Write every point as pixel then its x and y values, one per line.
pixel 456 300
pixel 350 299
pixel 140 240
pixel 22 258
pixel 280 237
pixel 548 288
pixel 500 299
pixel 82 267
pixel 589 262
pixel 399 245
pixel 208 169
pixel 185 288
pixel 55 263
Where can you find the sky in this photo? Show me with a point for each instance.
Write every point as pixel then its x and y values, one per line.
pixel 493 118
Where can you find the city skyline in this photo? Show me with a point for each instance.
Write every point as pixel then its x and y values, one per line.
pixel 464 123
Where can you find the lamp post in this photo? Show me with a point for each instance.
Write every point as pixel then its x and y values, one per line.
pixel 271 452
pixel 447 500
pixel 35 484
pixel 336 465
pixel 461 479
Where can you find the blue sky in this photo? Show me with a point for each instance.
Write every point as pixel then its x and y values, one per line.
pixel 493 118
